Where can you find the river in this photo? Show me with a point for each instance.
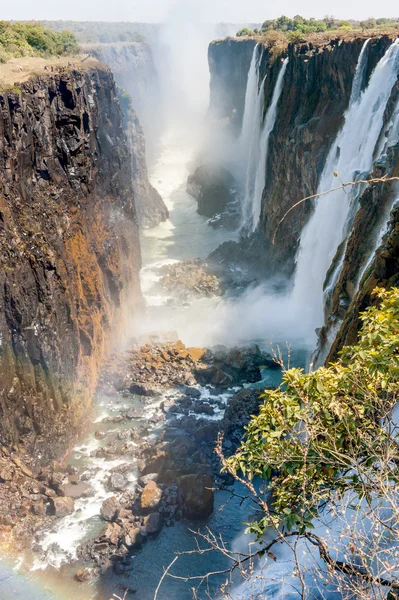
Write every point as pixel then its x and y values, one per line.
pixel 46 573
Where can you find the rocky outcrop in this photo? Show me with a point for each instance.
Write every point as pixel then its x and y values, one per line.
pixel 151 209
pixel 215 190
pixel 70 256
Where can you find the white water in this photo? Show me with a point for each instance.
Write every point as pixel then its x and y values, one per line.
pixel 352 151
pixel 268 127
pixel 254 140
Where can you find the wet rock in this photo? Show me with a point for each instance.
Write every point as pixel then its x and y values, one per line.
pixel 78 490
pixel 111 534
pixel 144 390
pixel 87 574
pixel 192 391
pixel 133 538
pixel 109 508
pixel 100 434
pixel 147 478
pixel 116 482
pixel 153 523
pixel 63 506
pixel 151 496
pixel 198 495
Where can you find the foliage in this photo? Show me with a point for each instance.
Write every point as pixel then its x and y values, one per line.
pixel 297 28
pixel 32 39
pixel 244 32
pixel 327 433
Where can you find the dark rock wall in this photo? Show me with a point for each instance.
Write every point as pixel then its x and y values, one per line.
pixel 362 271
pixel 315 95
pixel 70 254
pixel 229 61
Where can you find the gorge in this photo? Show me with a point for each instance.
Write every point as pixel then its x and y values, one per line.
pixel 133 328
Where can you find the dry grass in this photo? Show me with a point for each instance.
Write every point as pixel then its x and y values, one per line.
pixel 12 76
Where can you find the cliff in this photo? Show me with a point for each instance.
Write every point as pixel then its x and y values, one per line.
pixel 151 209
pixel 70 255
pixel 229 61
pixel 134 69
pixel 315 94
pixel 370 258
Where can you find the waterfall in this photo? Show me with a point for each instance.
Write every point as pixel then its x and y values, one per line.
pixel 359 74
pixel 256 140
pixel 351 154
pixel 249 142
pixel 268 126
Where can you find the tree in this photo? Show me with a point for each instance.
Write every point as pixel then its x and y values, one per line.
pixel 245 32
pixel 326 447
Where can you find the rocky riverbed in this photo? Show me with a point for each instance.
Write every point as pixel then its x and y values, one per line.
pixel 149 461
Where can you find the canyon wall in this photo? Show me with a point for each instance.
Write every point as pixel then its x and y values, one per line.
pixel 70 255
pixel 315 94
pixel 229 61
pixel 134 69
pixel 371 258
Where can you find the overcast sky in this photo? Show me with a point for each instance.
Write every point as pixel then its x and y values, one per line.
pixel 210 10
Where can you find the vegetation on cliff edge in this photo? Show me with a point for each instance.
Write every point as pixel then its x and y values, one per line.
pixel 299 28
pixel 32 39
pixel 326 446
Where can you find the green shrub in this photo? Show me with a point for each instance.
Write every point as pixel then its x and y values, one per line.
pixel 22 39
pixel 324 434
pixel 245 32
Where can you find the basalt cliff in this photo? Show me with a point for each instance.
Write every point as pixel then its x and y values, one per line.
pixel 316 92
pixel 70 254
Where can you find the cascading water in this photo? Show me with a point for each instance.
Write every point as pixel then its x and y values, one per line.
pixel 255 138
pixel 351 152
pixel 268 127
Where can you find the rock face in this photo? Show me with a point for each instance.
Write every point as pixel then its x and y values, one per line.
pixel 198 495
pixel 314 97
pixel 151 209
pixel 133 66
pixel 70 256
pixel 134 69
pixel 371 258
pixel 229 62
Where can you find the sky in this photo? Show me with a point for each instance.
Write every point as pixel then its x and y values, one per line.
pixel 236 11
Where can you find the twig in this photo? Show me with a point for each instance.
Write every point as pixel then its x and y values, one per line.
pixel 383 179
pixel 163 576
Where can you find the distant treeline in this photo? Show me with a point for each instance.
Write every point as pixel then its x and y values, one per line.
pixel 32 39
pixel 91 32
pixel 299 27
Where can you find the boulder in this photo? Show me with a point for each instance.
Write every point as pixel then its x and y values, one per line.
pixel 153 523
pixel 133 538
pixel 111 534
pixel 87 574
pixel 63 506
pixel 198 496
pixel 146 478
pixel 109 508
pixel 116 482
pixel 151 496
pixel 76 490
pixel 213 187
